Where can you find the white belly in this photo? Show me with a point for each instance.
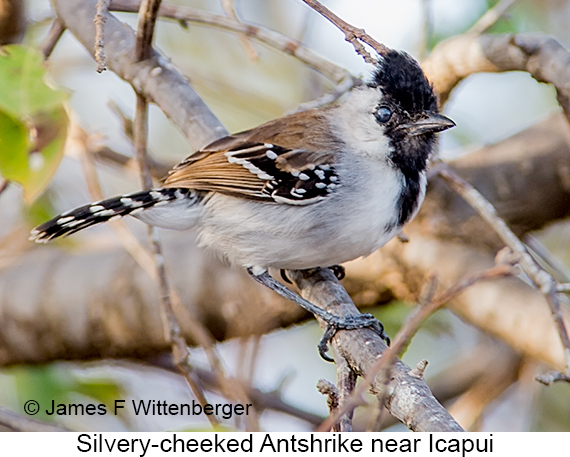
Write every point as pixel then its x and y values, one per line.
pixel 352 222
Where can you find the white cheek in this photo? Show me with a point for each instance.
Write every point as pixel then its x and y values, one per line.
pixel 358 126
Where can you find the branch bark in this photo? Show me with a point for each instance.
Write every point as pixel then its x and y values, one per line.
pixel 544 58
pixel 406 396
pixel 155 78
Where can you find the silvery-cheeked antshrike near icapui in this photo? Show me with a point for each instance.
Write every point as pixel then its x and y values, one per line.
pixel 315 188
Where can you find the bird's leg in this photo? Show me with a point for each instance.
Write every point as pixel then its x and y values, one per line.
pixel 334 323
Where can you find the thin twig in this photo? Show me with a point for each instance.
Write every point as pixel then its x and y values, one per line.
pixel 127 238
pixel 105 154
pixel 490 18
pixel 346 381
pixel 148 13
pixel 19 423
pixel 559 270
pixel 172 329
pixel 542 280
pixel 143 48
pixel 328 388
pixel 330 97
pixel 229 8
pixel 4 185
pixel 199 333
pixel 352 34
pixel 100 19
pixel 408 330
pixel 268 37
pixel 50 41
pixel 262 399
pixel 551 377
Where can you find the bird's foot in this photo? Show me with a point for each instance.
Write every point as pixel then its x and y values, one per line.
pixel 350 322
pixel 334 322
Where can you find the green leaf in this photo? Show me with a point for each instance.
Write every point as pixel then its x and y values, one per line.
pixel 14 146
pixel 43 384
pixel 24 92
pixel 105 391
pixel 30 152
pixel 33 121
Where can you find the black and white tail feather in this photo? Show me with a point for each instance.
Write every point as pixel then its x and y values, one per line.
pixel 114 208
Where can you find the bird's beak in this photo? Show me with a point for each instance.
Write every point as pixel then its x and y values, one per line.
pixel 432 123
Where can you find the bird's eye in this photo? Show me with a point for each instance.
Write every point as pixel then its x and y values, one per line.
pixel 383 114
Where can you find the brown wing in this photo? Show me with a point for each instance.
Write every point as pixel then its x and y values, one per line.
pixel 267 163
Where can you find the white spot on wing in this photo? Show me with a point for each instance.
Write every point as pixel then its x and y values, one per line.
pixel 64 220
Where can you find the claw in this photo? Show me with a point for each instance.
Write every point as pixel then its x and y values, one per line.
pixel 323 346
pixel 284 276
pixel 349 323
pixel 338 271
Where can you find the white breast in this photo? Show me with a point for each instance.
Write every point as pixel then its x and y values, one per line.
pixel 348 224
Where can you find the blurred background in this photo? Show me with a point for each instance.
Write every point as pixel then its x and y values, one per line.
pixel 244 90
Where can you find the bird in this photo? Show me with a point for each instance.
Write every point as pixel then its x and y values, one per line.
pixel 315 188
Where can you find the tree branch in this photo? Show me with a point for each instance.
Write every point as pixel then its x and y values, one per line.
pixel 544 58
pixel 352 34
pixel 408 397
pixel 155 78
pixel 268 37
pixel 19 423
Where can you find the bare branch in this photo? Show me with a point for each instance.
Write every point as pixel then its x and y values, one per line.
pixel 230 10
pixel 148 13
pixel 551 377
pixel 491 16
pixel 353 34
pixel 409 397
pixel 99 21
pixel 268 37
pixel 346 382
pixel 329 389
pixel 541 279
pixel 155 78
pixel 19 423
pixel 55 33
pixel 379 381
pixel 542 56
pixel 4 185
pixel 342 88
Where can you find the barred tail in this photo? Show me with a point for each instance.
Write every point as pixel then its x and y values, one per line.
pixel 179 201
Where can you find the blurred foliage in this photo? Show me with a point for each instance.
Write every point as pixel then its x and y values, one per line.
pixel 527 16
pixel 33 121
pixel 40 210
pixel 552 408
pixel 393 315
pixel 54 383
